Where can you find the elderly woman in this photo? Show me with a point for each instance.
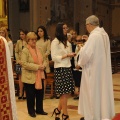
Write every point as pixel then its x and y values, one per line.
pixel 33 66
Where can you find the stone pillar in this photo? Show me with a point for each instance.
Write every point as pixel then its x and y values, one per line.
pixel 13 19
pixel 39 13
pixel 82 9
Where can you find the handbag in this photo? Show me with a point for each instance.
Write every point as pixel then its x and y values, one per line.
pixel 18 68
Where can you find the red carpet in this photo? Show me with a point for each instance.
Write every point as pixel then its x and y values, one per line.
pixel 117 117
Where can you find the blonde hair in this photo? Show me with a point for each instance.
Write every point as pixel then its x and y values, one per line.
pixel 73 31
pixel 79 36
pixel 4 29
pixel 31 35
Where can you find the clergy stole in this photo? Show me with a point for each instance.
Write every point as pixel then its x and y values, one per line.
pixel 5 102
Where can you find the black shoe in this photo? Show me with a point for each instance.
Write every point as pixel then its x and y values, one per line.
pixel 33 115
pixel 65 117
pixel 57 96
pixel 82 118
pixel 42 113
pixel 76 98
pixel 57 112
pixel 24 98
pixel 20 97
pixel 72 93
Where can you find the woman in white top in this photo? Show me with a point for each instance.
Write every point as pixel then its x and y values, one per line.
pixel 4 33
pixel 61 53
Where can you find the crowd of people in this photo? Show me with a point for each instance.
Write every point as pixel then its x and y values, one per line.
pixel 82 66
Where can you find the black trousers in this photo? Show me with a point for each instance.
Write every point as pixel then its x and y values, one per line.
pixel 34 98
pixel 77 78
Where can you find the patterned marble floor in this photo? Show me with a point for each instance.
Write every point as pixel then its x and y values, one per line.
pixel 50 104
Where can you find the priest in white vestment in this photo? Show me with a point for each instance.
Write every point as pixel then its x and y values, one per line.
pixel 7 91
pixel 96 101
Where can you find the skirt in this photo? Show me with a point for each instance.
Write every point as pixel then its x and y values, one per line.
pixel 64 82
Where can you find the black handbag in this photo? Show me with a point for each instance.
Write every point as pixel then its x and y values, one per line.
pixel 18 68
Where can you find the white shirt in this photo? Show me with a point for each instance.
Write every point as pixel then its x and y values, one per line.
pixel 57 51
pixel 10 44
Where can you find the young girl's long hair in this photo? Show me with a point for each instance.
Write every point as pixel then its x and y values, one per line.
pixel 46 37
pixel 60 35
pixel 4 29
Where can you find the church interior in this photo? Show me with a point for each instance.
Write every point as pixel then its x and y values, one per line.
pixel 14 15
pixel 50 104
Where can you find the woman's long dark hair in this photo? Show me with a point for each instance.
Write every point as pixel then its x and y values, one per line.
pixel 24 31
pixel 46 37
pixel 60 35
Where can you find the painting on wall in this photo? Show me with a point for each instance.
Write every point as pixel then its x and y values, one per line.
pixel 3 13
pixel 62 10
pixel 24 5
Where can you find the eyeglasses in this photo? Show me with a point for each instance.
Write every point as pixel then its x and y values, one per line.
pixel 22 34
pixel 83 40
pixel 79 40
pixel 87 24
pixel 33 39
pixel 1 32
pixel 66 28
